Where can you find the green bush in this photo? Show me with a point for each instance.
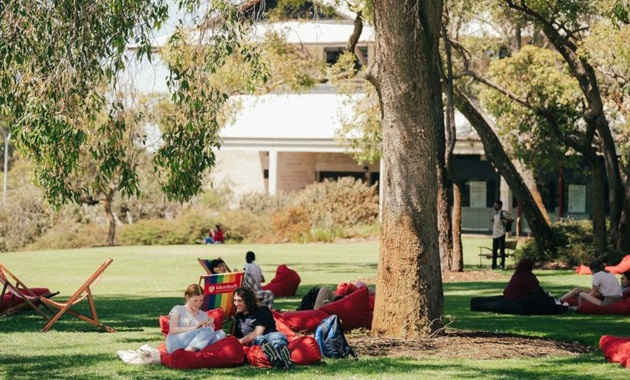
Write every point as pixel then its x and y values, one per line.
pixel 572 245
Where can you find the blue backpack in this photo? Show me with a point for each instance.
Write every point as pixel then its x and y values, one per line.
pixel 329 336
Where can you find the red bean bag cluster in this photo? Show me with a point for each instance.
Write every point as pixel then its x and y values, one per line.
pixel 225 353
pixel 304 349
pixel 10 300
pixel 623 266
pixel 217 314
pixel 285 283
pixel 618 308
pixel 616 349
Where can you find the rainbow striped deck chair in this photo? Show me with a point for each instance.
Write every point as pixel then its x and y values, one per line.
pixel 218 290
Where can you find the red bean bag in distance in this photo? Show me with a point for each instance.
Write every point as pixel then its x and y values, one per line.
pixel 618 308
pixel 304 320
pixel 615 349
pixel 353 310
pixel 583 269
pixel 623 266
pixel 217 314
pixel 285 283
pixel 225 353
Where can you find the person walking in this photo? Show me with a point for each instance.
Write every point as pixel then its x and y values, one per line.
pixel 499 220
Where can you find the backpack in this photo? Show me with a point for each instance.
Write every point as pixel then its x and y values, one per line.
pixel 308 301
pixel 507 222
pixel 329 336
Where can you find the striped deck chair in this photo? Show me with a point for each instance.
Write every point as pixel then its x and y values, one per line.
pixel 16 296
pixel 82 293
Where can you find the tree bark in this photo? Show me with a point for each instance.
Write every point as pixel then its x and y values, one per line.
pixel 496 154
pixel 530 182
pixel 109 216
pixel 410 302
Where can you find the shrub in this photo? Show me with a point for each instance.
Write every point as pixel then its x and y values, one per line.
pixel 572 245
pixel 72 235
pixel 343 203
pixel 264 203
pixel 292 224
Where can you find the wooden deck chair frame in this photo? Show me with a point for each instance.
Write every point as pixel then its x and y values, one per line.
pixel 83 292
pixel 205 265
pixel 14 286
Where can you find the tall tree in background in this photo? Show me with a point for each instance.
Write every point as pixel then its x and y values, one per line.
pixel 406 77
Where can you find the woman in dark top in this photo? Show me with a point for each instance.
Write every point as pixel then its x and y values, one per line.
pixel 523 282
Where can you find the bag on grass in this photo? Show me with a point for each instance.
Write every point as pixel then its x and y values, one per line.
pixel 331 340
pixel 308 301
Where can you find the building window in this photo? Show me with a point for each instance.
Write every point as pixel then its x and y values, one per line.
pixel 333 54
pixel 266 173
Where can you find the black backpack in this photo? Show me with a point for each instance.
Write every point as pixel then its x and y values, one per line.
pixel 308 301
pixel 506 222
pixel 331 340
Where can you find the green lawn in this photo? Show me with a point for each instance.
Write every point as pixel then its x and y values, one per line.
pixel 145 282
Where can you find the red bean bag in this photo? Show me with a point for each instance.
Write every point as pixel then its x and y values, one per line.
pixel 344 289
pixel 618 308
pixel 305 350
pixel 227 352
pixel 616 349
pixel 623 266
pixel 10 300
pixel 304 320
pixel 285 283
pixel 372 300
pixel 282 326
pixel 217 314
pixel 583 269
pixel 353 310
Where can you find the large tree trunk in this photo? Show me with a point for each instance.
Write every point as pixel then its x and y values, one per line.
pixel 495 153
pixel 456 260
pixel 623 243
pixel 109 216
pixel 410 301
pixel 530 182
pixel 599 216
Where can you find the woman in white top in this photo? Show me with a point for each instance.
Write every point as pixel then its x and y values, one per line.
pixel 190 328
pixel 605 288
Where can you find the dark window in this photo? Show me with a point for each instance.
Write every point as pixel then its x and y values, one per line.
pixel 333 54
pixel 336 175
pixel 266 173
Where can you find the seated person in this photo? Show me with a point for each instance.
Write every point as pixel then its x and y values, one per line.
pixel 266 297
pixel 253 268
pixel 605 289
pixel 190 328
pixel 255 325
pixel 217 235
pixel 208 239
pixel 326 295
pixel 523 282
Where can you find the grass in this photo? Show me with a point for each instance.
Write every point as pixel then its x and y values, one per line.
pixel 145 282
